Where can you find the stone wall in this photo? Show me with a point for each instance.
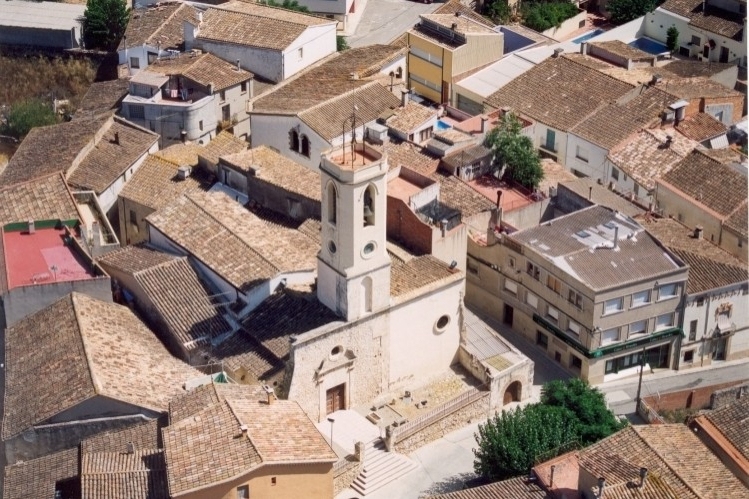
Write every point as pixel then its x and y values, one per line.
pixel 460 418
pixel 700 398
pixel 343 478
pixel 721 398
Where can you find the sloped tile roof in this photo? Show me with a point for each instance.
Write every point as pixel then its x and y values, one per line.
pixel 251 249
pixel 102 97
pixel 465 24
pixel 119 475
pixel 690 68
pixel 408 118
pixel 146 435
pixel 46 198
pixel 621 49
pixel 700 127
pixel 159 25
pixel 710 266
pixel 135 258
pixel 739 220
pixel 460 196
pixel 181 154
pixel 99 348
pixel 697 88
pixel 156 183
pixel 559 92
pixel 275 13
pixel 515 488
pixel 116 151
pixel 205 69
pixel 613 123
pixel 418 273
pixel 712 184
pixel 732 421
pixel 276 169
pixel 454 7
pixel 38 477
pixel 222 144
pixel 708 17
pixel 50 149
pixel 413 157
pixel 371 99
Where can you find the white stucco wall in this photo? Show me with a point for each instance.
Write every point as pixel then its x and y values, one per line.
pixel 596 157
pixel 560 142
pixel 169 119
pixel 315 43
pixel 108 197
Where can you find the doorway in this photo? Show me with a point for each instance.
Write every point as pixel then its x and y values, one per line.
pixel 335 399
pixel 508 315
pixel 723 54
pixel 512 393
pixel 719 349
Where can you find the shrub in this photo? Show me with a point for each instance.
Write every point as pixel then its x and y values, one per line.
pixel 26 115
pixel 623 11
pixel 543 16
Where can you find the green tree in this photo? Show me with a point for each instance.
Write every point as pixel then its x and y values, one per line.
pixel 515 152
pixel 623 11
pixel 26 115
pixel 341 43
pixel 672 39
pixel 592 418
pixel 509 443
pixel 104 23
pixel 541 16
pixel 499 11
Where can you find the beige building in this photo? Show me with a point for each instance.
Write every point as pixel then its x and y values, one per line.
pixel 591 288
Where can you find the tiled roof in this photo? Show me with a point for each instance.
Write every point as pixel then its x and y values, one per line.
pixel 119 475
pixel 559 92
pixel 621 49
pixel 679 466
pixel 407 119
pixel 697 88
pixel 644 156
pixel 222 144
pixel 611 124
pixel 732 421
pixel 419 272
pixel 467 156
pixel 213 393
pixel 327 80
pixel 205 69
pixel 135 258
pixel 460 196
pixel 183 301
pixel 156 183
pixel 146 435
pixel 255 25
pixel 262 345
pixel 712 19
pixel 690 68
pixel 38 478
pixel 101 97
pixel 250 251
pixel 181 154
pixel 739 220
pixel 701 127
pixel 46 198
pixel 514 488
pixel 160 25
pixel 371 99
pixel 411 156
pixel 276 169
pixel 455 6
pixel 98 348
pixel 589 257
pixel 712 184
pixel 50 149
pixel 710 267
pixel 207 448
pixel 117 150
pixel 601 195
pixel 281 431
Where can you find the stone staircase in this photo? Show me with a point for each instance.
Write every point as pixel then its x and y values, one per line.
pixel 380 468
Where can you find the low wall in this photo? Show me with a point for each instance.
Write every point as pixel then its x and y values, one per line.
pixel 345 474
pixel 721 398
pixel 700 398
pixel 567 27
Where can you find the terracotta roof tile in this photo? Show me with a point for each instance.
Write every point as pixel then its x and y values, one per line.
pixel 465 24
pixel 181 154
pixel 102 97
pixel 116 151
pixel 701 127
pixel 515 488
pixel 222 144
pixel 251 249
pixel 406 120
pixel 697 88
pixel 99 348
pixel 413 157
pixel 714 185
pixel 621 49
pixel 739 221
pixel 455 6
pixel 204 69
pixel 269 166
pixel 159 25
pixel 42 477
pixel 710 267
pixel 418 273
pixel 277 13
pixel 708 17
pixel 732 421
pixel 146 435
pixel 132 259
pixel 156 183
pixel 119 475
pixel 46 198
pixel 460 196
pixel 690 68
pixel 559 92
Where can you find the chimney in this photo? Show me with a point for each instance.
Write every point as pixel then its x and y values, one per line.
pixel 698 232
pixel 557 52
pixel 601 485
pixel 655 80
pixel 454 26
pixel 270 393
pixel 551 476
pixel 200 17
pixel 443 227
pixel 117 138
pixel 32 227
pixel 616 237
pixel 499 197
pixel 643 476
pixel 590 193
pixel 239 67
pixel 243 428
pixel 484 119
pixel 404 97
pixel 183 172
pixel 584 48
pixel 130 448
pixel 669 140
pixel 183 136
pixel 457 14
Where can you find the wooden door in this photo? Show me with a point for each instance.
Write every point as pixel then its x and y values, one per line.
pixel 335 399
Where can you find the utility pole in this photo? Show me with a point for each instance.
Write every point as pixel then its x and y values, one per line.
pixel 639 383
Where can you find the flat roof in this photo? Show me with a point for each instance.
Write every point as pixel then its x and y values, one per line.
pixel 488 185
pixel 490 79
pixel 402 189
pixel 41 15
pixel 41 257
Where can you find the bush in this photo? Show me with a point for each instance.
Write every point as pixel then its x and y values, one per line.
pixel 672 39
pixel 26 115
pixel 515 152
pixel 499 11
pixel 341 43
pixel 543 16
pixel 623 11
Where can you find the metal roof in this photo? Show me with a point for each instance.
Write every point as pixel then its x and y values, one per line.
pixel 41 15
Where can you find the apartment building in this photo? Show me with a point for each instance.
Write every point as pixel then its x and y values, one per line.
pixel 593 289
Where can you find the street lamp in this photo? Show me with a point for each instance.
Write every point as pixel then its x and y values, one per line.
pixel 331 421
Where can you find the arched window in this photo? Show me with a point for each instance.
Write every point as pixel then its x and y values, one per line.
pixel 366 292
pixel 332 198
pixel 305 145
pixel 369 206
pixel 294 140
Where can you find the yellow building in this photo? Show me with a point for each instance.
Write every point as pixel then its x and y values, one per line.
pixel 444 47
